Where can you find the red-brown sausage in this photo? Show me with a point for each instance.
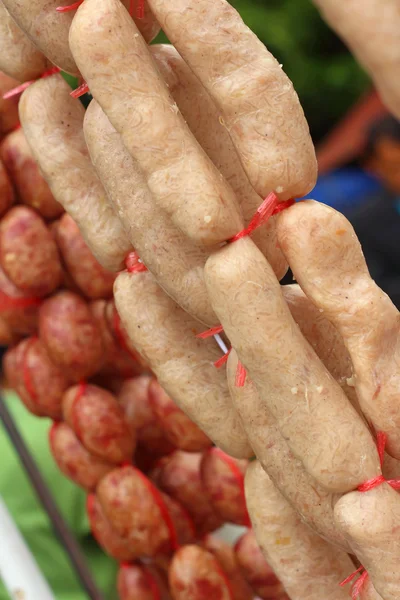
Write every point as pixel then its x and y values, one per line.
pixel 74 460
pixel 178 428
pixel 256 570
pixel 6 190
pixel 28 253
pixel 18 309
pixel 117 547
pixel 141 582
pixel 42 383
pixel 99 423
pixel 225 555
pixel 179 476
pixel 196 575
pixel 91 278
pixel 69 332
pixel 138 511
pixel 223 479
pixel 30 185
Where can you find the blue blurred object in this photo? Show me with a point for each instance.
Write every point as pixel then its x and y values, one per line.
pixel 345 189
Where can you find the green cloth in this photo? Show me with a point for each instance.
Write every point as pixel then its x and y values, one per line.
pixel 31 519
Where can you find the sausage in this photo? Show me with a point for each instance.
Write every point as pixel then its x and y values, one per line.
pixel 165 336
pixel 141 582
pixel 225 555
pixel 292 382
pixel 312 501
pixel 372 34
pixel 176 262
pixel 69 332
pixel 196 575
pixel 92 279
pixel 223 478
pixel 74 460
pixel 48 29
pixel 98 422
pixel 31 188
pixel 117 362
pixel 369 520
pixel 258 105
pixel 14 372
pixel 42 384
pixel 307 566
pixel 115 546
pixel 256 570
pixel 324 338
pixel 178 475
pixel 9 118
pixel 64 160
pixel 121 336
pixel 28 253
pixel 137 511
pixel 177 427
pixel 339 284
pixel 18 309
pixel 6 190
pixel 151 436
pixel 19 58
pixel 184 183
pixel 204 119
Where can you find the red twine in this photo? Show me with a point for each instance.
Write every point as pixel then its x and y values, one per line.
pixel 151 583
pixel 221 361
pixel 381 439
pixel 210 332
pixel 241 374
pixel 20 88
pixel 237 473
pixel 80 90
pixel 74 6
pixel 134 264
pixel 8 303
pixel 269 207
pixel 358 585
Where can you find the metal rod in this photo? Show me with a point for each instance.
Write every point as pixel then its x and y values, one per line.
pixel 60 527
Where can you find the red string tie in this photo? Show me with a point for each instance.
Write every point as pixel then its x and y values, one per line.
pixel 269 207
pixel 381 439
pixel 358 585
pixel 21 88
pixel 221 361
pixel 241 374
pixel 210 332
pixel 70 7
pixel 134 264
pixel 80 90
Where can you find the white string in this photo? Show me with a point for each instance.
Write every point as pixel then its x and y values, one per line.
pixel 221 343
